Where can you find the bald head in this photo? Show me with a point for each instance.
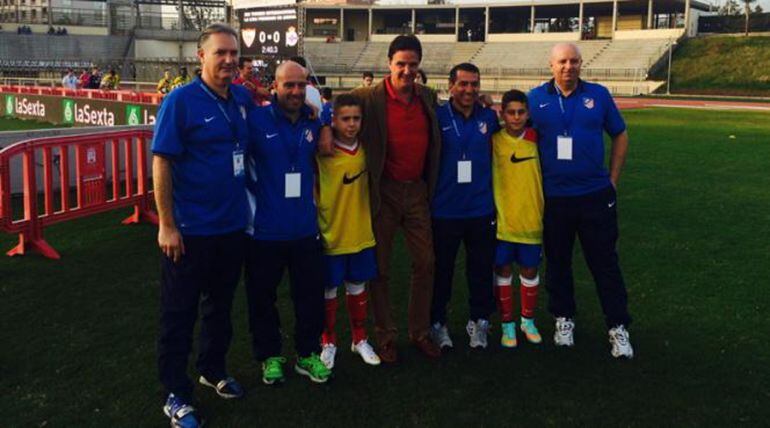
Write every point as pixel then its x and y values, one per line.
pixel 290 83
pixel 565 61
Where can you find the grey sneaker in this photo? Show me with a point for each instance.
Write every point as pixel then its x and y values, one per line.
pixel 477 331
pixel 621 344
pixel 563 334
pixel 440 336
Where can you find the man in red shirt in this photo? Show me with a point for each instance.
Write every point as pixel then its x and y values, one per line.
pixel 248 78
pixel 403 145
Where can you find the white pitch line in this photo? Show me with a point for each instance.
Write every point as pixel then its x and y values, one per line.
pixel 713 107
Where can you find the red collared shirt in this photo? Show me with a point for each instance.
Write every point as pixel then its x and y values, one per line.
pixel 252 85
pixel 408 136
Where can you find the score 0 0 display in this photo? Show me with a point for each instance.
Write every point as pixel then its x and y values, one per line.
pixel 269 32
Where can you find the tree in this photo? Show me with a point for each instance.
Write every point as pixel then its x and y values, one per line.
pixel 730 7
pixel 747 3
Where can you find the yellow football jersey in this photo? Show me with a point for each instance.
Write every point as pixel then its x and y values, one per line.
pixel 518 187
pixel 344 216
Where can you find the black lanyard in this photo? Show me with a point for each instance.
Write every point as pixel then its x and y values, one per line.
pixel 230 123
pixel 292 151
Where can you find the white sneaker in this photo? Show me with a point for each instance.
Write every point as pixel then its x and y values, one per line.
pixel 365 350
pixel 621 345
pixel 328 353
pixel 440 336
pixel 563 336
pixel 477 331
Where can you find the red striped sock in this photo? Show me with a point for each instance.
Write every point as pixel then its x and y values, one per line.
pixel 357 313
pixel 528 292
pixel 330 319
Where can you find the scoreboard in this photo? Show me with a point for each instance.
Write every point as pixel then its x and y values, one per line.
pixel 269 31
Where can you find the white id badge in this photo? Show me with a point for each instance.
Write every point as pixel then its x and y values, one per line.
pixel 238 170
pixel 464 171
pixel 293 184
pixel 563 148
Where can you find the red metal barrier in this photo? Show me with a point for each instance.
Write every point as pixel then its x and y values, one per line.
pixel 119 95
pixel 90 179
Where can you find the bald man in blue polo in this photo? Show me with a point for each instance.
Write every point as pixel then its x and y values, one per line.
pixel 571 117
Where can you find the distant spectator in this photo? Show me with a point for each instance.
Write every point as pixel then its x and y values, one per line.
pixel 249 80
pixel 367 79
pixel 84 78
pixel 69 81
pixel 182 79
pixel 64 31
pixel 421 78
pixel 165 83
pixel 51 31
pixel 328 106
pixel 111 81
pixel 95 80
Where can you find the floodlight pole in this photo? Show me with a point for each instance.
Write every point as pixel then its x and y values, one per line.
pixel 668 80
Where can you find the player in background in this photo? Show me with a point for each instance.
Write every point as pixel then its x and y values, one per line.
pixel 518 193
pixel 344 220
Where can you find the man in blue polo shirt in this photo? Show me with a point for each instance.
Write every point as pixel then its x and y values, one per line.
pixel 463 206
pixel 199 180
pixel 284 138
pixel 571 116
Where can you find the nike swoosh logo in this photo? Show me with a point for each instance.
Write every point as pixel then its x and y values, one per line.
pixel 611 204
pixel 271 135
pixel 208 119
pixel 544 105
pixel 349 180
pixel 514 159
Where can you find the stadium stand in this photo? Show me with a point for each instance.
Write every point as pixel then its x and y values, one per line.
pixel 72 47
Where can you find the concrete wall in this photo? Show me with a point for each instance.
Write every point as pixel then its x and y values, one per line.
pixel 359 22
pixel 163 49
pixel 673 33
pixel 631 22
pixel 437 38
pixel 534 37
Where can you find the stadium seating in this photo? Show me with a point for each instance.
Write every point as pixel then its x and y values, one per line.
pixel 621 59
pixel 71 47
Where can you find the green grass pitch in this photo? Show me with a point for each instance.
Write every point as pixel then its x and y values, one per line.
pixel 78 335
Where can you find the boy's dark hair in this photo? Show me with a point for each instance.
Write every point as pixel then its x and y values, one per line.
pixel 405 43
pixel 367 74
pixel 346 100
pixel 513 95
pixel 463 66
pixel 326 92
pixel 243 60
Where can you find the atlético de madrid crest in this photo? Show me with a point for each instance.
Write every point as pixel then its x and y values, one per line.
pixel 483 128
pixel 308 136
pixel 588 102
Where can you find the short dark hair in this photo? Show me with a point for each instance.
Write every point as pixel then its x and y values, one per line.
pixel 216 28
pixel 326 92
pixel 346 100
pixel 424 76
pixel 299 60
pixel 463 66
pixel 368 74
pixel 405 43
pixel 243 60
pixel 513 95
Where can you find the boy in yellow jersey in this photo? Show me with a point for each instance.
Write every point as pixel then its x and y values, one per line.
pixel 344 219
pixel 518 190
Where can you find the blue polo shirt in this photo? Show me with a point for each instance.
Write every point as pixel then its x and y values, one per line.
pixel 200 138
pixel 278 147
pixel 584 115
pixel 465 139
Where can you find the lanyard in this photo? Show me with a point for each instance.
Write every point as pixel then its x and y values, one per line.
pixel 292 151
pixel 463 141
pixel 565 117
pixel 230 123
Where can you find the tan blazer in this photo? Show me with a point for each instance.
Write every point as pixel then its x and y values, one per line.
pixel 375 136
